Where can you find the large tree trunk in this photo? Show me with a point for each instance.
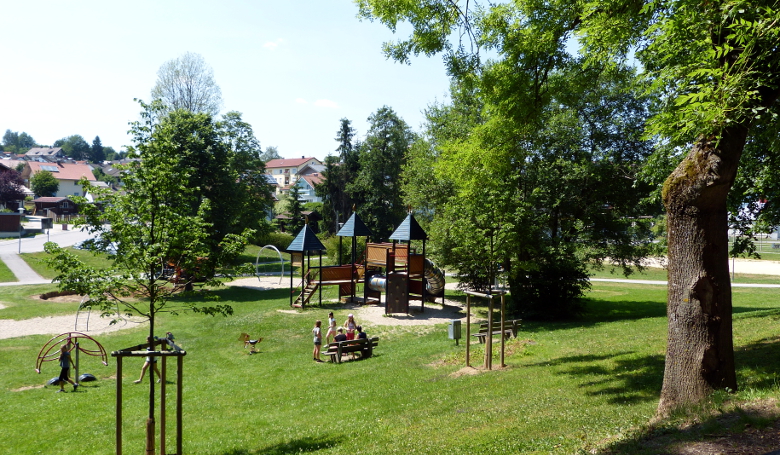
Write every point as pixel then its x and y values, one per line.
pixel 700 353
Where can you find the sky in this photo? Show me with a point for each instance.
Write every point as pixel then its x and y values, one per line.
pixel 292 68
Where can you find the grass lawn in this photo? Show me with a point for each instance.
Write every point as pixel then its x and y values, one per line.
pixel 6 275
pixel 569 387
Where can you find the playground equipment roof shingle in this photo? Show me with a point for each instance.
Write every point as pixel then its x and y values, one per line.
pixel 409 230
pixel 306 241
pixel 354 227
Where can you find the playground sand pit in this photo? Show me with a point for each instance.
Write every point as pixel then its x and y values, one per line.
pixel 54 325
pixel 434 313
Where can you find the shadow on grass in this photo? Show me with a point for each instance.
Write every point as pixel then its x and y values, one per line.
pixel 303 445
pixel 758 364
pixel 722 433
pixel 623 377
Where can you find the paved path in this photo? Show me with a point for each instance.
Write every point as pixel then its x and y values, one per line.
pixel 9 253
pixel 664 283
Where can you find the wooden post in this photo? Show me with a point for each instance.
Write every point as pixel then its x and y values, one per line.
pixel 503 319
pixel 119 405
pixel 468 327
pixel 489 337
pixel 179 388
pixel 162 405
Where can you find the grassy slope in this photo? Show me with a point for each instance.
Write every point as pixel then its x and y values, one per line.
pixel 569 386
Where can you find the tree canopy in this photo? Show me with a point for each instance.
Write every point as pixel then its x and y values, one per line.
pixel 44 184
pixel 11 184
pixel 187 82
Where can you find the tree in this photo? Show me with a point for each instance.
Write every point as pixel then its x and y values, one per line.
pixel 44 184
pixel 74 146
pixel 219 162
pixel 188 83
pixel 538 200
pixel 294 209
pixel 17 142
pixel 713 70
pixel 96 152
pixel 11 184
pixel 112 154
pixel 151 232
pixel 271 153
pixel 339 171
pixel 375 188
pixel 249 196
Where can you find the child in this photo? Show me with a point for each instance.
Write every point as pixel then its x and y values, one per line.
pixel 150 360
pixel 351 326
pixel 65 362
pixel 317 340
pixel 331 327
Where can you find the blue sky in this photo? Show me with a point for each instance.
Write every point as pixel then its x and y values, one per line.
pixel 292 68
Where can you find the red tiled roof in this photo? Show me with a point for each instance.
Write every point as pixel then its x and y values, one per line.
pixel 64 171
pixel 313 179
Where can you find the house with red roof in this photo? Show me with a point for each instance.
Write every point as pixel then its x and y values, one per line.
pixel 68 174
pixel 286 171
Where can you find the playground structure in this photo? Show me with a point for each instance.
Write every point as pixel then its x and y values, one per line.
pixel 85 311
pixel 250 343
pixel 395 269
pixel 51 350
pixel 141 350
pixel 491 295
pixel 258 274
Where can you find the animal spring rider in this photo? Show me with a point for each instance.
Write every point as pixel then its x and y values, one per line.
pixel 250 343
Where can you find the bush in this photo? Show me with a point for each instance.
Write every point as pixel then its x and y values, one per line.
pixel 280 240
pixel 553 290
pixel 331 243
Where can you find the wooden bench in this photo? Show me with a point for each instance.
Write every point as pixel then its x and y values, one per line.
pixel 509 329
pixel 364 346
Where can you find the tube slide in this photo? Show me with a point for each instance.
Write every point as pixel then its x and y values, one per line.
pixel 435 278
pixel 377 283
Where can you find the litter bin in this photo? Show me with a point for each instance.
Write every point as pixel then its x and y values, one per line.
pixel 453 331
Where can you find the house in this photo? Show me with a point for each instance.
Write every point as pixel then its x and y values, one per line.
pixel 45 206
pixel 286 170
pixel 47 153
pixel 68 175
pixel 306 184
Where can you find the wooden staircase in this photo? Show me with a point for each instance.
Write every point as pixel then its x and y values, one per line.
pixel 305 296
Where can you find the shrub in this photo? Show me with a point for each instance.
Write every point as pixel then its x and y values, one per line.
pixel 280 240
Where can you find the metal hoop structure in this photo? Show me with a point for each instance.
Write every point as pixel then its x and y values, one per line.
pixel 50 351
pixel 281 261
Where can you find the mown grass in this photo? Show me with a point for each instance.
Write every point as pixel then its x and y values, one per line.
pixel 37 261
pixel 569 387
pixel 6 275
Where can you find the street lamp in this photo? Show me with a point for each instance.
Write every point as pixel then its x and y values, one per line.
pixel 21 214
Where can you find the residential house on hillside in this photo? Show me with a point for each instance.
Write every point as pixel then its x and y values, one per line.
pixel 306 184
pixel 68 175
pixel 47 153
pixel 286 171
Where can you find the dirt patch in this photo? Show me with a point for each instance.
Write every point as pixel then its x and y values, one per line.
pixel 59 298
pixel 2 306
pixel 28 387
pixel 747 429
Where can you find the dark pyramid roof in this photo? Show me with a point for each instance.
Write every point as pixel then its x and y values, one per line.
pixel 354 227
pixel 409 230
pixel 306 241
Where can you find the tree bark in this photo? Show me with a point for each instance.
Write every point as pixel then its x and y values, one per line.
pixel 700 352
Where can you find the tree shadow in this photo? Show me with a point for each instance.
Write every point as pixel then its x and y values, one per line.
pixel 303 445
pixel 758 364
pixel 624 378
pixel 721 433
